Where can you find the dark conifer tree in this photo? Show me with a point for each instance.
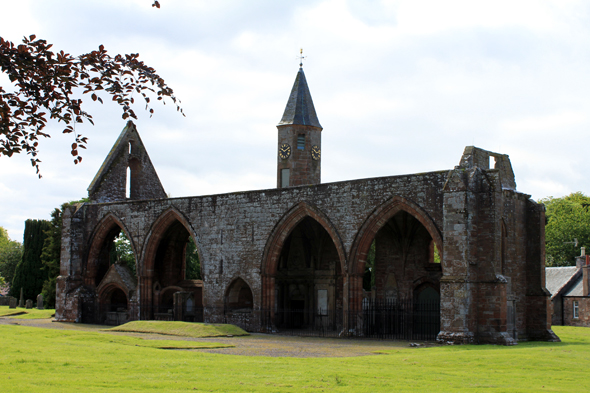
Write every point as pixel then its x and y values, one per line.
pixel 29 273
pixel 50 257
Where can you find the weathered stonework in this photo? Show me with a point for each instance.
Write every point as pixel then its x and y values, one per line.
pixel 306 247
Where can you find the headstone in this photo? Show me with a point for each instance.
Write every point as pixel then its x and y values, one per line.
pixel 21 303
pixel 29 303
pixel 12 303
pixel 40 301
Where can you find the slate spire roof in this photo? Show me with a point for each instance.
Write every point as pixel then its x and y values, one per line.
pixel 300 108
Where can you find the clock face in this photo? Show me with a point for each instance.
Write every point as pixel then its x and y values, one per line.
pixel 315 152
pixel 284 151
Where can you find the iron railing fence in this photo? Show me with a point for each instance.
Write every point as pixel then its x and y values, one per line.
pixel 381 319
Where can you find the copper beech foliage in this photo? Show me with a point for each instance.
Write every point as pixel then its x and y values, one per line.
pixel 45 87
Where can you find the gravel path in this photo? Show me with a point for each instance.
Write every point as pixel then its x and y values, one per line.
pixel 254 345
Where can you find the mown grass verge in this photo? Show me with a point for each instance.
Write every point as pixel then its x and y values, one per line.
pixel 35 359
pixel 184 329
pixel 24 313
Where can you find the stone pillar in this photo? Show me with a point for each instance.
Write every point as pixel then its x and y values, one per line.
pixel 456 289
pixel 538 299
pixel 21 302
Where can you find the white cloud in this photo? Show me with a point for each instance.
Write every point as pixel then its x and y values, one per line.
pixel 399 86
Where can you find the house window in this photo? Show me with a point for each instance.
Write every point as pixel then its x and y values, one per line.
pixel 300 142
pixel 576 309
pixel 284 178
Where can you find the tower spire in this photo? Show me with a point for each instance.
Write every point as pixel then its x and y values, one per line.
pixel 300 109
pixel 300 137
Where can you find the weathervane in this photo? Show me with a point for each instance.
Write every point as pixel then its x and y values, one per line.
pixel 301 58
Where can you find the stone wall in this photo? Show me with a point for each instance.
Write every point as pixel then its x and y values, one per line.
pixel 491 239
pixel 583 311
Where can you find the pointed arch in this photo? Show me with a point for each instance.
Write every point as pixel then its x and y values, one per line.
pixel 150 300
pixel 377 219
pixel 104 292
pixel 101 232
pixel 238 295
pixel 286 224
pixel 156 234
pixel 276 240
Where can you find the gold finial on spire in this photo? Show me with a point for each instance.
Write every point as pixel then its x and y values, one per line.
pixel 301 58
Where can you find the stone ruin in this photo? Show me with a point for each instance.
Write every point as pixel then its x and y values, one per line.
pixel 299 254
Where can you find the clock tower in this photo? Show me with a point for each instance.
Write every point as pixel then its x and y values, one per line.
pixel 300 139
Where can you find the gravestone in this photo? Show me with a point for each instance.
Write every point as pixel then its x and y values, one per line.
pixel 12 303
pixel 21 302
pixel 40 301
pixel 29 303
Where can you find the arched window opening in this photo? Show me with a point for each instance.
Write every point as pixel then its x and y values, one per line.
pixel 116 248
pixel 239 297
pixel 128 183
pixel 176 268
pixel 404 251
pixel 402 254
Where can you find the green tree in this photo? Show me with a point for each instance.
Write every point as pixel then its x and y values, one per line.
pixel 50 257
pixel 45 85
pixel 568 219
pixel 29 273
pixel 193 265
pixel 369 276
pixel 121 250
pixel 11 252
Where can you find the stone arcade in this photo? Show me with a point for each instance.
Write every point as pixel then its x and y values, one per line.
pixel 295 256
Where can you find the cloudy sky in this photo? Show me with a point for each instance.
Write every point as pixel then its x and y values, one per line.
pixel 399 87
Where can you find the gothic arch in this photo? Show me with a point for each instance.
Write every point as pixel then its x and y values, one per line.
pixel 284 227
pixel 377 219
pixel 156 233
pixel 276 240
pixel 100 234
pixel 149 299
pixel 108 289
pixel 234 297
pixel 423 283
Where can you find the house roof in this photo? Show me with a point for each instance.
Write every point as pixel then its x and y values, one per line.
pixel 558 278
pixel 300 109
pixel 577 289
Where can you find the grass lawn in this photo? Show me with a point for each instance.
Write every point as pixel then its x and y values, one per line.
pixel 23 313
pixel 36 359
pixel 184 329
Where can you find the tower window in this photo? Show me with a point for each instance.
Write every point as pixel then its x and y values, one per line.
pixel 300 142
pixel 284 178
